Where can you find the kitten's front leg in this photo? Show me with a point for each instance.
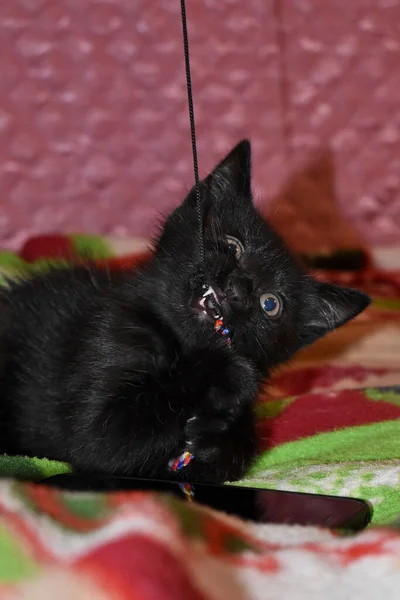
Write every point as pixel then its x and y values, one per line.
pixel 221 433
pixel 223 448
pixel 135 421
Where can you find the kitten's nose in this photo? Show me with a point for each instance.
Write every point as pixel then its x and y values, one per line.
pixel 239 288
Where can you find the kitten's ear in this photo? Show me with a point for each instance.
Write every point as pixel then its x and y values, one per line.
pixel 327 307
pixel 233 174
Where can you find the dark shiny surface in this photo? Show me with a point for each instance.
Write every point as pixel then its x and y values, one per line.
pixel 263 506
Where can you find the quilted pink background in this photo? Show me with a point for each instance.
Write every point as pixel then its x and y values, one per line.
pixel 93 120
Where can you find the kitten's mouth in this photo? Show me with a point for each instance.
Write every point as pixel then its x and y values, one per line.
pixel 209 304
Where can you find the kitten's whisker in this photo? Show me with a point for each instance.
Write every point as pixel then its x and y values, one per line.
pixel 170 406
pixel 164 250
pixel 260 345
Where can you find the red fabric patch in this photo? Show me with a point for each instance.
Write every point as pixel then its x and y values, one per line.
pixel 303 380
pixel 140 568
pixel 128 262
pixel 311 414
pixel 348 555
pixel 47 246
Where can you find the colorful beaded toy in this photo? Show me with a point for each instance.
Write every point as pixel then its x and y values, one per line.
pixel 219 327
pixel 188 490
pixel 182 461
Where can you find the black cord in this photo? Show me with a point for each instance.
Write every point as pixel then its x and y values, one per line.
pixel 193 133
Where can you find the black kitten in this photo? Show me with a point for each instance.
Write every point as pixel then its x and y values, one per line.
pixel 120 373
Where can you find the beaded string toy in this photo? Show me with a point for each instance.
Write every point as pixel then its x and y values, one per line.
pixel 182 461
pixel 219 326
pixel 188 490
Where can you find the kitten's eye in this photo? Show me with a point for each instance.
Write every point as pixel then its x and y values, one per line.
pixel 271 305
pixel 235 247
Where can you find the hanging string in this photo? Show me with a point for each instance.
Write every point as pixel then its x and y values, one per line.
pixel 193 133
pixel 284 89
pixel 285 104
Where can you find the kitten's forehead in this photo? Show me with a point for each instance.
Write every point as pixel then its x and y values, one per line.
pixel 245 221
pixel 237 212
pixel 273 267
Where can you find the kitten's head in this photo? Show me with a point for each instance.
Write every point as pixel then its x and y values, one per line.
pixel 270 305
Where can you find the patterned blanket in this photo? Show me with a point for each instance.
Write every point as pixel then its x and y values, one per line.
pixel 328 423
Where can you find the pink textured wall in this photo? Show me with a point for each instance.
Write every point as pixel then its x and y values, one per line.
pixel 93 120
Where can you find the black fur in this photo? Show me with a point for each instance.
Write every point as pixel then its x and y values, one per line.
pixel 117 373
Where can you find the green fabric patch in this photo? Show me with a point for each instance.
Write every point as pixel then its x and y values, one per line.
pixel 31 469
pixel 15 565
pixel 234 544
pixel 46 264
pixel 91 247
pixel 188 518
pixel 92 507
pixel 386 303
pixel 10 260
pixel 383 395
pixel 272 408
pixel 191 519
pixel 379 441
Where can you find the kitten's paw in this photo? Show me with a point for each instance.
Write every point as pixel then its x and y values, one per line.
pixel 203 436
pixel 222 446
